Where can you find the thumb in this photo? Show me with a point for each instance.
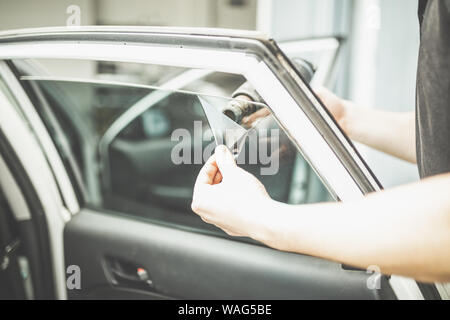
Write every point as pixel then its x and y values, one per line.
pixel 225 160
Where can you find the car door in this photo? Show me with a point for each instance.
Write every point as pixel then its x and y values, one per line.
pixel 131 232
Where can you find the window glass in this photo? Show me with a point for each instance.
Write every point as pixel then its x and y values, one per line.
pixel 138 147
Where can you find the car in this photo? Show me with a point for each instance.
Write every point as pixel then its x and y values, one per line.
pixel 97 167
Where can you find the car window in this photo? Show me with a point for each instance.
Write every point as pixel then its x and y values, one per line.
pixel 138 145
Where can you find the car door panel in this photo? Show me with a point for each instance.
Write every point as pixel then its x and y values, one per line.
pixel 182 264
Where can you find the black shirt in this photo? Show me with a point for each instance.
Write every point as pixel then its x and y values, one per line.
pixel 433 88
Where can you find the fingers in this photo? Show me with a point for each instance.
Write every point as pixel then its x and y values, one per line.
pixel 230 233
pixel 208 172
pixel 208 176
pixel 224 160
pixel 217 178
pixel 261 113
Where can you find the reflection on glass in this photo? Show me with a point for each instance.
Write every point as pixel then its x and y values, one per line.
pixel 139 148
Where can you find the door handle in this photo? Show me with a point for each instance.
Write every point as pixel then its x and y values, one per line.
pixel 128 274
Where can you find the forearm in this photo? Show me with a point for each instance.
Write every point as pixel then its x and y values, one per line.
pixel 390 132
pixel 403 231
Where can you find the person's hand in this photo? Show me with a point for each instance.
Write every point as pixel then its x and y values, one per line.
pixel 251 119
pixel 334 104
pixel 229 197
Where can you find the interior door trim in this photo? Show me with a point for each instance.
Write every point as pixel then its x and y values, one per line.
pixel 207 264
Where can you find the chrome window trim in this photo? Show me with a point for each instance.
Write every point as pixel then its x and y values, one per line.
pixel 329 47
pixel 254 43
pixel 256 71
pixel 224 52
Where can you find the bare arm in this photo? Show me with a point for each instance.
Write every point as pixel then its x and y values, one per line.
pixel 404 231
pixel 390 132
